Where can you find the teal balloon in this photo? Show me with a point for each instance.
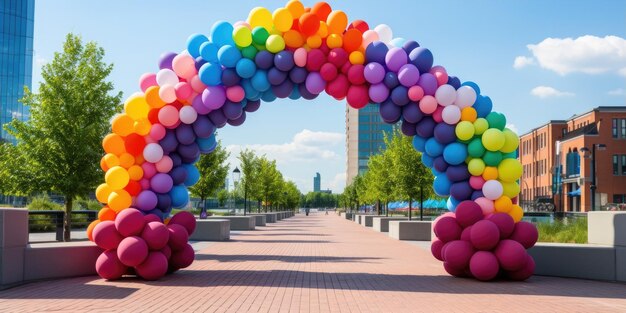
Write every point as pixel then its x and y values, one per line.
pixel 455 153
pixel 222 33
pixel 492 158
pixel 228 56
pixel 194 42
pixel 475 148
pixel 496 120
pixel 510 155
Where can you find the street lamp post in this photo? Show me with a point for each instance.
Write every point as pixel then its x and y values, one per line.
pixel 236 177
pixel 593 187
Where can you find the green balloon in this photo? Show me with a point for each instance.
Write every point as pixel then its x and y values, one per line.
pixel 492 158
pixel 510 155
pixel 496 120
pixel 249 52
pixel 259 35
pixel 475 148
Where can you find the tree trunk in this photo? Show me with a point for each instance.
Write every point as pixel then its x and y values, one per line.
pixel 386 208
pixel 410 207
pixel 67 219
pixel 421 204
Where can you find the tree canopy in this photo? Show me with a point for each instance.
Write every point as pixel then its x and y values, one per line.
pixel 213 171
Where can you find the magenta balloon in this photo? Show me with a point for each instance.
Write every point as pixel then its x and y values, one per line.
pixel 484 265
pixel 511 255
pixel 453 270
pixel 396 58
pixel 132 251
pixel 468 212
pixel 315 84
pixel 155 234
pixel 505 224
pixel 524 273
pixel 484 235
pixel 154 267
pixel 428 82
pixel 214 97
pixel 161 183
pixel 408 75
pixel 465 235
pixel 178 237
pixel 378 93
pixel 374 73
pixel 526 234
pixel 146 200
pixel 458 254
pixel 435 249
pixel 106 236
pixel 129 222
pixel 183 257
pixel 185 219
pixel 108 265
pixel 447 229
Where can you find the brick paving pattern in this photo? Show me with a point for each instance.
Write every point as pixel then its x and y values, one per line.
pixel 314 263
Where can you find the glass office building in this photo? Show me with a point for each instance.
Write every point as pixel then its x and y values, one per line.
pixel 16 59
pixel 317 182
pixel 365 136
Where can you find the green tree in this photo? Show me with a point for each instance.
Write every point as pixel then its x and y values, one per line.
pixel 249 163
pixel 222 197
pixel 68 119
pixel 213 171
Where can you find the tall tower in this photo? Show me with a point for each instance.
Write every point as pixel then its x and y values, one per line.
pixel 317 182
pixel 16 59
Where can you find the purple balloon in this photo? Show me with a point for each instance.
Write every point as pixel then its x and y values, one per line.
pixel 176 160
pixel 169 143
pixel 390 112
pixel 283 90
pixel 408 75
pixel 178 174
pixel 444 133
pixel 238 121
pixel 252 106
pixel 400 96
pixel 276 76
pixel 166 60
pixel 146 200
pixel 164 202
pixel 189 153
pixel 426 127
pixel 199 106
pixel 395 58
pixel 428 82
pixel 376 52
pixel 232 110
pixel 457 173
pixel 202 127
pixel 391 80
pixel 378 93
pixel 298 75
pixel 230 77
pixel 408 128
pixel 315 84
pixel 412 113
pixel 410 45
pixel 440 164
pixel 199 62
pixel 161 183
pixel 477 194
pixel 305 93
pixel 461 190
pixel 374 72
pixel 217 118
pixel 422 58
pixel 185 134
pixel 264 60
pixel 454 82
pixel 284 60
pixel 214 97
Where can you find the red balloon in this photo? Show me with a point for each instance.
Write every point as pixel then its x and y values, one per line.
pixel 338 57
pixel 358 96
pixel 328 72
pixel 338 88
pixel 314 60
pixel 355 74
pixel 108 265
pixel 345 68
pixel 134 144
pixel 133 188
pixel 309 23
pixel 322 10
pixel 153 116
pixel 361 25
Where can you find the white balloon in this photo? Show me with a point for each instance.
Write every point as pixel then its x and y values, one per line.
pixel 188 114
pixel 384 33
pixel 451 114
pixel 465 97
pixel 153 152
pixel 167 93
pixel 445 95
pixel 492 189
pixel 166 77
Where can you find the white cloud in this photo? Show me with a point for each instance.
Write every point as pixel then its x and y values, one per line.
pixel 617 92
pixel 522 61
pixel 338 183
pixel 547 92
pixel 512 127
pixel 586 54
pixel 40 60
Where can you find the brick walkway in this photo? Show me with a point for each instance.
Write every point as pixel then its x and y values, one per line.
pixel 310 264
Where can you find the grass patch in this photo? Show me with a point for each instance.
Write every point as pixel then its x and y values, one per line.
pixel 564 231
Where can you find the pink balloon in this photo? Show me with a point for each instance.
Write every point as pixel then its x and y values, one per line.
pixel 167 93
pixel 185 219
pixel 300 56
pixel 167 251
pixel 188 114
pixel 505 224
pixel 129 222
pixel 416 93
pixel 132 251
pixel 183 90
pixel 106 236
pixel 178 236
pixel 454 271
pixel 484 265
pixel 168 115
pixel 438 114
pixel 149 139
pixel 147 80
pixel 183 257
pixel 477 182
pixel 154 267
pixel 486 205
pixel 440 74
pixel 447 229
pixel 369 36
pixel 235 93
pixel 149 170
pixel 157 131
pixel 196 84
pixel 164 165
pixel 151 218
pixel 485 235
pixel 428 104
pixel 526 234
pixel 145 183
pixel 458 254
pixel 511 255
pixel 184 66
pixel 468 212
pixel 241 23
pixel 156 235
pixel 108 265
pixel 465 235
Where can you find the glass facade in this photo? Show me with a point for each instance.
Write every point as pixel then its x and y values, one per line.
pixel 371 136
pixel 317 182
pixel 16 59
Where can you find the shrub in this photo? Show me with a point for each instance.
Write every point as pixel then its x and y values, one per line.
pixel 564 231
pixel 43 203
pixel 86 204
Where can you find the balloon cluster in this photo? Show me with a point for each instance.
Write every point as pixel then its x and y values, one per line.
pixel 299 52
pixel 483 246
pixel 140 244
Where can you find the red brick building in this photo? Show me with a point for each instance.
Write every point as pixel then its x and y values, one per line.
pixel 557 156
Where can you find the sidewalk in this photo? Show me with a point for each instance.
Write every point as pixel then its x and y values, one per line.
pixel 315 263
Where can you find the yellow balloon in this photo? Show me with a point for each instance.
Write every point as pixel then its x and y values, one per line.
pixel 510 170
pixel 260 16
pixel 511 141
pixel 242 36
pixel 337 22
pixel 282 19
pixel 275 43
pixel 117 177
pixel 123 125
pixel 476 166
pixel 490 173
pixel 119 200
pixel 357 57
pixel 111 160
pixel 510 189
pixel 126 160
pixel 137 107
pixel 516 213
pixel 493 139
pixel 323 30
pixel 464 130
pixel 135 172
pixel 480 125
pixel 503 204
pixel 102 193
pixel 334 41
pixel 142 126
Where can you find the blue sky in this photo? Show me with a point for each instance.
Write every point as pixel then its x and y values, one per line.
pixel 504 46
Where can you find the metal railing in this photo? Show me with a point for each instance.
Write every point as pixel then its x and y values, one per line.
pixel 52 221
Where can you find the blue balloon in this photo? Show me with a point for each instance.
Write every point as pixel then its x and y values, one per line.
pixel 210 74
pixel 193 175
pixel 180 196
pixel 483 106
pixel 434 148
pixel 452 204
pixel 250 91
pixel 179 175
pixel 207 145
pixel 222 33
pixel 295 93
pixel 419 144
pixel 208 51
pixel 441 185
pixel 245 68
pixel 391 80
pixel 268 96
pixel 203 127
pixel 376 52
pixel 194 42
pixel 422 58
pixel 455 153
pixel 185 134
pixel 409 46
pixel 444 133
pixel 259 81
pixel 156 212
pixel 228 56
pixel 461 191
pixel 440 164
pixel 426 159
pixel 473 85
pixel 454 82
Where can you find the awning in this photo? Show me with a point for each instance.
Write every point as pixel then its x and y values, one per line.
pixel 575 193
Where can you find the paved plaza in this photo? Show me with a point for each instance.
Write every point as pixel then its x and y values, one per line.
pixel 315 263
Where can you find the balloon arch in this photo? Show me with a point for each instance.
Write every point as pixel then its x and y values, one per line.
pixel 299 52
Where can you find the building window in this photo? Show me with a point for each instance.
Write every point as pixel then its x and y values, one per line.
pixel 615 164
pixel 614 128
pixel 623 122
pixel 619 198
pixel 623 164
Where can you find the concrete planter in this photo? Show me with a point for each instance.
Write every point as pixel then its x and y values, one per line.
pixel 269 217
pixel 381 224
pixel 368 220
pixel 410 230
pixel 237 222
pixel 211 230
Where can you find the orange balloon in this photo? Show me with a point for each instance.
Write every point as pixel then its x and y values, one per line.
pixel 152 97
pixel 469 114
pixel 352 39
pixel 314 42
pixel 337 22
pixel 293 39
pixel 142 126
pixel 119 200
pixel 490 173
pixel 106 214
pixel 309 23
pixel 323 30
pixel 139 159
pixel 113 143
pixel 356 57
pixel 103 165
pixel 111 160
pixel 123 124
pixel 126 160
pixel 334 41
pixel 503 204
pixel 296 8
pixel 322 10
pixel 90 228
pixel 135 172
